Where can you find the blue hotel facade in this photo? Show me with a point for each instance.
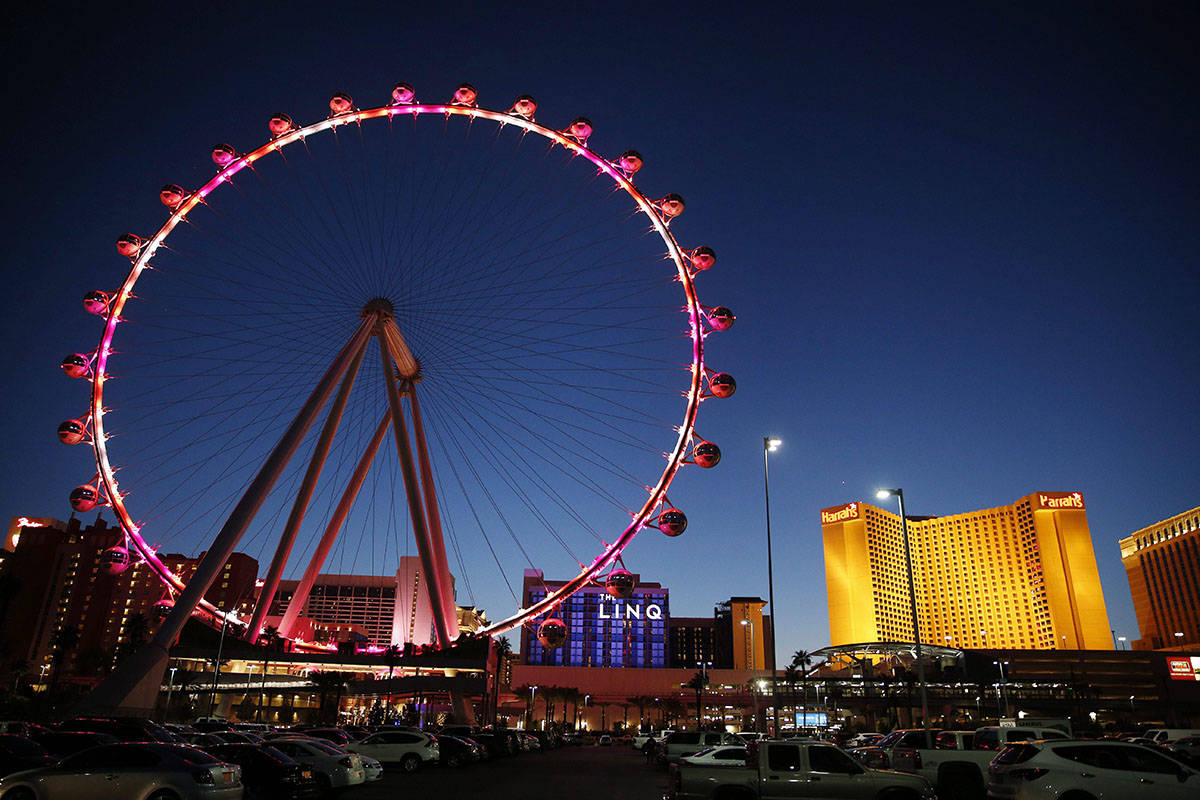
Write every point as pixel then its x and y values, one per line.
pixel 602 631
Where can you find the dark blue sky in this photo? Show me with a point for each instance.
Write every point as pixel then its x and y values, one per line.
pixel 961 242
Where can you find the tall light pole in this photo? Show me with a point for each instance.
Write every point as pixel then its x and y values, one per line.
pixel 1003 685
pixel 532 701
pixel 170 688
pixel 883 494
pixel 770 445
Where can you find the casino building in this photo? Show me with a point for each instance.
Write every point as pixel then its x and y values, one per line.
pixel 1020 576
pixel 1162 562
pixel 601 631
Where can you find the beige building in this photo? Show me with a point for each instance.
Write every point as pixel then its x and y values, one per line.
pixel 1016 576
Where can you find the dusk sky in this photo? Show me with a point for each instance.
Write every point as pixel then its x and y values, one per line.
pixel 961 243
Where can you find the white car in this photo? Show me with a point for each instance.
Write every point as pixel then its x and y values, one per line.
pixel 334 767
pixel 728 755
pixel 1102 770
pixel 129 770
pixel 372 768
pixel 410 749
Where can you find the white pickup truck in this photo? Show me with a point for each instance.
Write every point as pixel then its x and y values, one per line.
pixel 780 769
pixel 959 772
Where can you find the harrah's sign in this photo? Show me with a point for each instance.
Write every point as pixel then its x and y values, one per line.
pixel 1060 500
pixel 839 513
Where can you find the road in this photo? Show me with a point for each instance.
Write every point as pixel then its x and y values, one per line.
pixel 575 773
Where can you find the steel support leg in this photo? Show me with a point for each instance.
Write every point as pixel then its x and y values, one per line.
pixel 296 605
pixel 437 542
pixel 303 496
pixel 134 685
pixel 411 487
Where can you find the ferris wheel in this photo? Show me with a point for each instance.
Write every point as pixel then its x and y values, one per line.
pixel 484 290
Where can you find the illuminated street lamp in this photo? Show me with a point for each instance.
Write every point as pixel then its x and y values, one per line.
pixel 770 445
pixel 1179 639
pixel 884 494
pixel 1122 640
pixel 532 701
pixel 170 688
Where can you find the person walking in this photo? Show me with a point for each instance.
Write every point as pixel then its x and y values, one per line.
pixel 651 749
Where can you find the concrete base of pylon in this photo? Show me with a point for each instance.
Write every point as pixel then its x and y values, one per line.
pixel 131 690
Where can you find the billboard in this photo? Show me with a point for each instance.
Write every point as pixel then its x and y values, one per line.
pixel 1184 668
pixel 811 719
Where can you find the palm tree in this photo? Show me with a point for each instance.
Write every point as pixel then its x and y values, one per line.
pixel 19 667
pixel 641 701
pixel 391 657
pixel 802 660
pixel 791 675
pixel 62 643
pixel 136 632
pixel 324 683
pixel 697 683
pixel 525 691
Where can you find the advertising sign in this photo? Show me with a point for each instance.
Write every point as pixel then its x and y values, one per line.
pixel 1184 668
pixel 839 513
pixel 1057 500
pixel 811 719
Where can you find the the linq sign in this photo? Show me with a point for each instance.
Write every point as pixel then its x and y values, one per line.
pixel 625 611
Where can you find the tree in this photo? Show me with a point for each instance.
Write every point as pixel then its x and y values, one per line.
pixel 324 683
pixel 135 632
pixel 791 676
pixel 697 683
pixel 62 644
pixel 19 667
pixel 641 701
pixel 802 660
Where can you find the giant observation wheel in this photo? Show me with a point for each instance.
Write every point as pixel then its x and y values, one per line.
pixel 502 299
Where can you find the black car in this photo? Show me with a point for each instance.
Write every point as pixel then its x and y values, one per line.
pixel 455 752
pixel 18 753
pixel 127 729
pixel 268 773
pixel 65 743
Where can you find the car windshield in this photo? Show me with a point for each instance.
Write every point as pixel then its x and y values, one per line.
pixel 23 747
pixel 327 747
pixel 890 739
pixel 193 755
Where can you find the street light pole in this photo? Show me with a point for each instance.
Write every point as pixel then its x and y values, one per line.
pixel 912 600
pixel 770 445
pixel 1003 685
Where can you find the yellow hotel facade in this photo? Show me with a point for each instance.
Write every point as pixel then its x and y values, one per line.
pixel 1021 576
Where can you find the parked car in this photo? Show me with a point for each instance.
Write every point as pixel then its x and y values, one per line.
pixel 127 729
pixel 18 753
pixel 333 767
pixel 65 743
pixel 954 740
pixel 1164 735
pixel 605 740
pixel 130 770
pixel 1067 768
pixel 455 751
pixel 686 743
pixel 726 755
pixel 204 740
pixel 239 737
pixel 335 735
pixel 863 739
pixel 21 728
pixel 268 773
pixel 879 755
pixel 372 768
pixel 780 769
pixel 409 749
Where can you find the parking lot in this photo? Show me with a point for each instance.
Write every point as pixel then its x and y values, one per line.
pixel 577 773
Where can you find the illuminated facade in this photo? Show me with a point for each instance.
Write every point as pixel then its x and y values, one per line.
pixel 1162 562
pixel 61 584
pixel 1021 576
pixel 722 641
pixel 602 631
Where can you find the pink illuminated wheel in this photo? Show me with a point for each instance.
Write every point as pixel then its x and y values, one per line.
pixel 516 281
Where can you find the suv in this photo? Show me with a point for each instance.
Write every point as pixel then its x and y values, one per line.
pixel 1050 769
pixel 686 743
pixel 879 755
pixel 127 729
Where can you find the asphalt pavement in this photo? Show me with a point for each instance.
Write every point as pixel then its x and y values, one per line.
pixel 567 773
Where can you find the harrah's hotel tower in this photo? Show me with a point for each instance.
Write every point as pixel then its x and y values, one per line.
pixel 1021 576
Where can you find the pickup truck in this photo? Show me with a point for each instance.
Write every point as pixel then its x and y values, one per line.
pixel 777 769
pixel 959 773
